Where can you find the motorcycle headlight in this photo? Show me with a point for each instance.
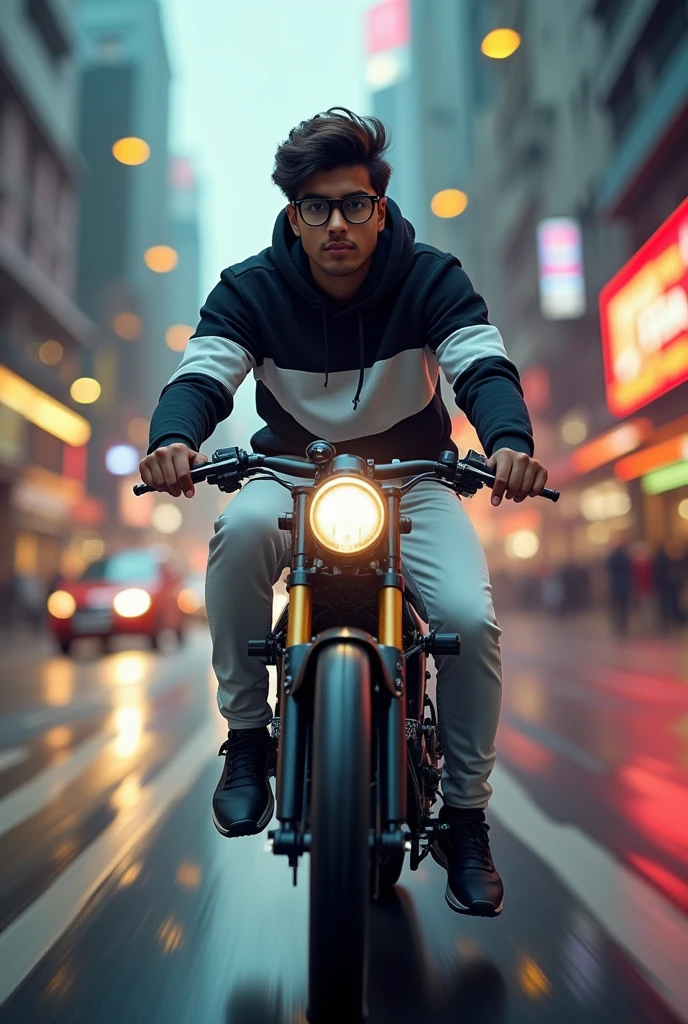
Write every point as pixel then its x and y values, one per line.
pixel 131 602
pixel 347 515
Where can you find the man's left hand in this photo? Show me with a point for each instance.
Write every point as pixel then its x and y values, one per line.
pixel 516 474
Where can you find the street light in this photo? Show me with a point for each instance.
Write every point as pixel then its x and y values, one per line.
pixel 161 258
pixel 450 202
pixel 85 390
pixel 177 336
pixel 131 151
pixel 500 43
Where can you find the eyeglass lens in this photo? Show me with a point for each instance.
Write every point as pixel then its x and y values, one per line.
pixel 357 210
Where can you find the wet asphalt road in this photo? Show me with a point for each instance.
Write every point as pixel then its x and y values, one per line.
pixel 120 903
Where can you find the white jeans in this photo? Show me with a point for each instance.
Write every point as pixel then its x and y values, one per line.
pixel 443 564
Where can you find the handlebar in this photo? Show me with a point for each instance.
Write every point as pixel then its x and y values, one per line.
pixel 470 469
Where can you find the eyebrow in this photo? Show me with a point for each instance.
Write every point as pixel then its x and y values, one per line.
pixel 348 195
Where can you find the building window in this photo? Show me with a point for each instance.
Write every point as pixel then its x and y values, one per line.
pixel 46 24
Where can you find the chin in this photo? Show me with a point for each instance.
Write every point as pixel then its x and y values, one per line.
pixel 340 268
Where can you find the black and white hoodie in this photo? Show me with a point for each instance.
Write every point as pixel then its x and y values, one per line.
pixel 364 376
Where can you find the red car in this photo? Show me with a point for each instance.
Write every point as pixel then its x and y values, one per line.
pixel 131 591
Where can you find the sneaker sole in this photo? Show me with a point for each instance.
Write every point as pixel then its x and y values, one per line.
pixel 246 827
pixel 478 908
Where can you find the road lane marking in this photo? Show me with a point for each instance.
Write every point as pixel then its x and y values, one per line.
pixel 13 756
pixel 29 937
pixel 560 745
pixel 25 801
pixel 652 931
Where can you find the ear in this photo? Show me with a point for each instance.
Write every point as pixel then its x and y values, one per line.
pixel 381 213
pixel 293 219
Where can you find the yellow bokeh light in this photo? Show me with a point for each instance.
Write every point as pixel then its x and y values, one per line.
pixel 85 390
pixel 50 352
pixel 522 544
pixel 161 258
pixel 533 979
pixel 683 508
pixel 127 326
pixel 500 43
pixel 166 518
pixel 37 407
pixel 58 737
pixel 450 202
pixel 61 604
pixel 188 601
pixel 58 682
pixel 132 602
pixel 127 794
pixel 129 668
pixel 131 151
pixel 177 336
pixel 189 875
pixel 130 874
pixel 574 430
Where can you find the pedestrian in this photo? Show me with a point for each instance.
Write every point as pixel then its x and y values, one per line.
pixel 620 580
pixel 667 579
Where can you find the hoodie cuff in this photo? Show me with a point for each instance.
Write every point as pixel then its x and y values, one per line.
pixel 163 442
pixel 513 441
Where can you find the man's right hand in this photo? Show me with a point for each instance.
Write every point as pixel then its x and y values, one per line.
pixel 167 469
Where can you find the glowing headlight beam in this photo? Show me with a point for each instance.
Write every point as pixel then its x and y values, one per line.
pixel 347 515
pixel 132 602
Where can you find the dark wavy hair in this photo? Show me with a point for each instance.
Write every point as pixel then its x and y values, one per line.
pixel 335 138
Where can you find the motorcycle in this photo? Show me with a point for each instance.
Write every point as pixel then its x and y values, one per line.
pixel 358 747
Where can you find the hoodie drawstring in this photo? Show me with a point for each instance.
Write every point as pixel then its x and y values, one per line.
pixel 361 359
pixel 327 347
pixel 361 356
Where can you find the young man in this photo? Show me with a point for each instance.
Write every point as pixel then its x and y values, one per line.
pixel 346 324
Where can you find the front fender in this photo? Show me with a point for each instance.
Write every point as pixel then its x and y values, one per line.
pixel 300 661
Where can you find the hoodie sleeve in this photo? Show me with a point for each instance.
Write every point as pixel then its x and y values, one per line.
pixel 223 350
pixel 471 354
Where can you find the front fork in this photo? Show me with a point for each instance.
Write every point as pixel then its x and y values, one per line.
pixel 296 713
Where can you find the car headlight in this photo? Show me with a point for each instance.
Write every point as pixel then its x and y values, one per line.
pixel 61 604
pixel 347 515
pixel 131 602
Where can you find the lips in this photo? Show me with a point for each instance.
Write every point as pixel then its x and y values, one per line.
pixel 338 247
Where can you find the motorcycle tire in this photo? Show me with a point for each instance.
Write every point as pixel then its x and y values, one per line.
pixel 339 849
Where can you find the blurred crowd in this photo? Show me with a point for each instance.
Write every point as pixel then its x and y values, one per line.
pixel 641 589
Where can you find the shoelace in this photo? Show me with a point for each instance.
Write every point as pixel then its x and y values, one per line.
pixel 246 761
pixel 472 835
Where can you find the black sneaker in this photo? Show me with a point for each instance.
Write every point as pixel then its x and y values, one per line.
pixel 243 803
pixel 473 885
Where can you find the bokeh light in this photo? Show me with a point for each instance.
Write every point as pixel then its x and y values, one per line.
pixel 128 326
pixel 61 604
pixel 522 544
pixel 131 151
pixel 161 258
pixel 177 336
pixel 500 43
pixel 85 390
pixel 50 352
pixel 188 601
pixel 167 518
pixel 121 459
pixel 450 202
pixel 683 508
pixel 574 430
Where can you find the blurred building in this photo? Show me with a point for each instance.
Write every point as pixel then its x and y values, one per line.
pixel 44 334
pixel 126 252
pixel 571 152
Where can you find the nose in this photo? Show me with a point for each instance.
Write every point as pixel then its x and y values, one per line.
pixel 337 221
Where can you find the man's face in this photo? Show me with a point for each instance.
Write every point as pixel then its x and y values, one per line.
pixel 339 248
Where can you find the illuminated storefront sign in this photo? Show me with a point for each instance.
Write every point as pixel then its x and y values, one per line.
pixel 644 319
pixel 560 259
pixel 388 38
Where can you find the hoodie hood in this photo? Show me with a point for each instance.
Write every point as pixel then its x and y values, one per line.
pixel 391 263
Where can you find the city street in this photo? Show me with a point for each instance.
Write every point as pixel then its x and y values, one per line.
pixel 119 902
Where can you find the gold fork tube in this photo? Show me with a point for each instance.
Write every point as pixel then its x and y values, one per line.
pixel 389 612
pixel 300 615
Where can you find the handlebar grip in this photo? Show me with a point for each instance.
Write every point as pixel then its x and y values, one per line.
pixel 550 493
pixel 141 489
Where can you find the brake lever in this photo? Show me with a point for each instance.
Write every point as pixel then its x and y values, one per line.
pixel 475 465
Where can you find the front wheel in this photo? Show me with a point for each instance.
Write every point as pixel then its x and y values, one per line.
pixel 340 822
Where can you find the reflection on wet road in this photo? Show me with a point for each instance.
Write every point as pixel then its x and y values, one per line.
pixel 120 903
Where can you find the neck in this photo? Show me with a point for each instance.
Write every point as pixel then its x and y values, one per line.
pixel 340 289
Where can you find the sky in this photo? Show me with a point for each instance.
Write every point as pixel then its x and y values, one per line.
pixel 244 73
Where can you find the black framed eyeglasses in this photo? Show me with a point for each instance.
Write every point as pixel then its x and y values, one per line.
pixel 354 209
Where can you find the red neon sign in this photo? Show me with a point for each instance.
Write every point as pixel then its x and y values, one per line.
pixel 644 319
pixel 388 26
